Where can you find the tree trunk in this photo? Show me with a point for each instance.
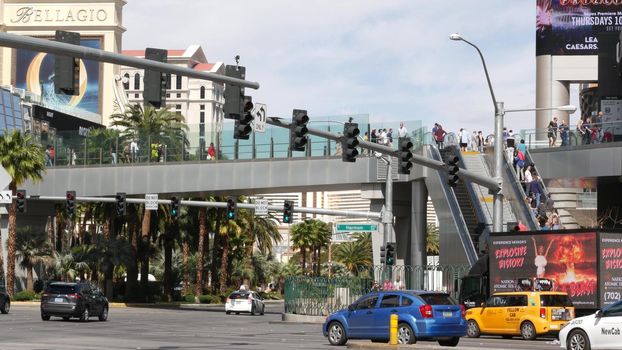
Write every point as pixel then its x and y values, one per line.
pixel 303 258
pixel 88 213
pixel 29 278
pixel 185 253
pixel 168 262
pixel 10 244
pixel 224 263
pixel 132 268
pixel 2 277
pixel 144 254
pixel 202 234
pixel 60 228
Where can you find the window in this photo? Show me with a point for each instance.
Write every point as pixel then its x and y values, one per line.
pixel 202 117
pixel 168 95
pixel 437 299
pixel 168 81
pixel 366 303
pixel 406 301
pixel 178 82
pixel 202 107
pixel 202 92
pixel 613 310
pixel 516 300
pixel 136 95
pixel 497 301
pixel 178 95
pixel 60 289
pixel 390 300
pixel 178 107
pixel 555 300
pixel 126 82
pixel 136 81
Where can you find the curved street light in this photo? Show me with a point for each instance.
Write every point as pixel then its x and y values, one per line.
pixel 497 221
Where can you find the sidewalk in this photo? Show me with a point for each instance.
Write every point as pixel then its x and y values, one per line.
pixel 369 345
pixel 174 305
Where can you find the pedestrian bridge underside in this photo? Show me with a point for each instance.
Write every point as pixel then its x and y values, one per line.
pixel 598 160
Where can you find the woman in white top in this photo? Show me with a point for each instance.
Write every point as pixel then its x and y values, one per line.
pixel 540 260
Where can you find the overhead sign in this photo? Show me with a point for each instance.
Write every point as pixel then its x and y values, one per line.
pixel 356 227
pixel 151 201
pixel 6 197
pixel 261 207
pixel 5 178
pixel 259 114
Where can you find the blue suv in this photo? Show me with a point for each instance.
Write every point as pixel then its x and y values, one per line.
pixel 421 315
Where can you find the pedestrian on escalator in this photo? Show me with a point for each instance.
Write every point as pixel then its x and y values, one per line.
pixel 535 190
pixel 480 141
pixel 439 136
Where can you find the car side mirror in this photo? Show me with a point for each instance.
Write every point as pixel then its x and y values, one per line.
pixel 483 304
pixel 599 314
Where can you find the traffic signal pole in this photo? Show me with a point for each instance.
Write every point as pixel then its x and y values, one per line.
pixel 43 45
pixel 189 203
pixel 487 182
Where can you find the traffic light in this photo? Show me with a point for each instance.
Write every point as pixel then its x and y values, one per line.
pixel 243 126
pixel 298 133
pixel 21 201
pixel 175 207
pixel 288 212
pixel 67 68
pixel 154 92
pixel 121 204
pixel 70 206
pixel 232 208
pixel 349 152
pixel 383 255
pixel 453 168
pixel 234 94
pixel 390 254
pixel 404 155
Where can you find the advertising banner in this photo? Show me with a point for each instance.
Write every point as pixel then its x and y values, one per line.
pixel 34 72
pixel 571 27
pixel 610 268
pixel 569 260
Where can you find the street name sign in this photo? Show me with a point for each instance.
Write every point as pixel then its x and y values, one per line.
pixel 6 197
pixel 356 227
pixel 151 201
pixel 261 207
pixel 259 115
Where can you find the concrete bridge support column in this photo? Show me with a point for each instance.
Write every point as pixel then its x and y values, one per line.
pixel 550 92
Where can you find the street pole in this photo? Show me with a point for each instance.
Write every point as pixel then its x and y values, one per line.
pixel 497 209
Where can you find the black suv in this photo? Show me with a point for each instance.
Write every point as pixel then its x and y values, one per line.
pixel 5 303
pixel 68 300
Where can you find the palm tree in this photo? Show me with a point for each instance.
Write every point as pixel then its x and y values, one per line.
pixel 432 240
pixel 33 249
pixel 65 266
pixel 301 239
pixel 201 249
pixel 355 254
pixel 23 160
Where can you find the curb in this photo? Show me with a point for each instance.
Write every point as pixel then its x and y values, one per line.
pixel 360 345
pixel 294 318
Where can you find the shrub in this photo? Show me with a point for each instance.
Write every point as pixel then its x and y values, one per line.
pixel 24 295
pixel 189 298
pixel 209 299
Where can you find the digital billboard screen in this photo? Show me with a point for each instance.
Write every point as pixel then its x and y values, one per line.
pixel 571 27
pixel 610 268
pixel 569 260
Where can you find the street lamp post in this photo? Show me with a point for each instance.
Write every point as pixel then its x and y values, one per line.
pixel 497 219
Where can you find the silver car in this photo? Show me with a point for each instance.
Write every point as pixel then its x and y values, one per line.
pixel 245 301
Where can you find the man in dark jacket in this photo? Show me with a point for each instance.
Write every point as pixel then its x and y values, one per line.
pixel 535 190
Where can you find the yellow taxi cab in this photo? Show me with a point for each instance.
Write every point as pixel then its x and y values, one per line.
pixel 525 313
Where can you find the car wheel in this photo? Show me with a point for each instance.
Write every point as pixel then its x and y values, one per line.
pixel 405 334
pixel 473 329
pixel 45 317
pixel 228 312
pixel 6 307
pixel 104 315
pixel 528 331
pixel 578 340
pixel 336 334
pixel 449 342
pixel 66 318
pixel 85 314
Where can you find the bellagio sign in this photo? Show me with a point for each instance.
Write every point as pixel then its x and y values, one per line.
pixel 56 14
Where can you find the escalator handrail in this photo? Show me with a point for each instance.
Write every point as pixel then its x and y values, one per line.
pixel 520 203
pixel 463 232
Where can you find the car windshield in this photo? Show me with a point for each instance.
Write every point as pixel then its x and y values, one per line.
pixel 555 300
pixel 437 299
pixel 239 295
pixel 60 289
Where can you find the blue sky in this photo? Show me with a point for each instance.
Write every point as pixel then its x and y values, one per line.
pixel 391 59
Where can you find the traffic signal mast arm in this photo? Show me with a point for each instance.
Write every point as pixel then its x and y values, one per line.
pixel 275 208
pixel 417 159
pixel 43 45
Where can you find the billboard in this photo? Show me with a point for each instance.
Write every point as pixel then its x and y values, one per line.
pixel 568 260
pixel 610 268
pixel 34 72
pixel 571 27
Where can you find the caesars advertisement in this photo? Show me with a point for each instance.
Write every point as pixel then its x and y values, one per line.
pixel 35 73
pixel 569 260
pixel 571 27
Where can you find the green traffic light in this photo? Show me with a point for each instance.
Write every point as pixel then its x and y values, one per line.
pixel 230 215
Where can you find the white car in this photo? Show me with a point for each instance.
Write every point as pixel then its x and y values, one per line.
pixel 602 330
pixel 245 301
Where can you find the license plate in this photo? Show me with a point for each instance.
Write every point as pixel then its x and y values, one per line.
pixel 447 313
pixel 59 300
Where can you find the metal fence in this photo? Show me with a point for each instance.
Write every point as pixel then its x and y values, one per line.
pixel 320 296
